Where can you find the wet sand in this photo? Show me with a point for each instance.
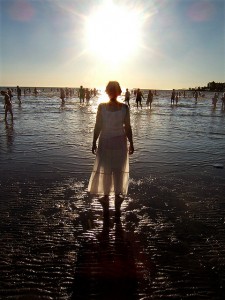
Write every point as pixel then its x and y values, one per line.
pixel 170 240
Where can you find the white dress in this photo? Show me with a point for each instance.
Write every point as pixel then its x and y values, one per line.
pixel 110 173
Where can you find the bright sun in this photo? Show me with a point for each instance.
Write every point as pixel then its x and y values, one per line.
pixel 113 33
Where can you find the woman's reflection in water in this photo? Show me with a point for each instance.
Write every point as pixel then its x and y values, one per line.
pixel 105 267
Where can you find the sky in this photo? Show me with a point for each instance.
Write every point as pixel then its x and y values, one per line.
pixel 155 44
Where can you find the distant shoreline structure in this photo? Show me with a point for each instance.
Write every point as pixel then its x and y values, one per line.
pixel 212 87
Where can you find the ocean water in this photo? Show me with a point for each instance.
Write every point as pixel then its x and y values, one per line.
pixel 56 140
pixel 170 240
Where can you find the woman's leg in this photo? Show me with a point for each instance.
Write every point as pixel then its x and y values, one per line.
pixel 11 113
pixel 118 202
pixel 105 205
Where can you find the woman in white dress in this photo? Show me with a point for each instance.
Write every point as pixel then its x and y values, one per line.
pixel 110 173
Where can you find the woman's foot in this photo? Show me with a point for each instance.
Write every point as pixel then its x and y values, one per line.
pixel 105 205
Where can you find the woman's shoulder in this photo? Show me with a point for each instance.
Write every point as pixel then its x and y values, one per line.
pixel 107 104
pixel 101 105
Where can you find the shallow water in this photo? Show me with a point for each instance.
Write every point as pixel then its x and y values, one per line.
pixel 170 239
pixel 188 138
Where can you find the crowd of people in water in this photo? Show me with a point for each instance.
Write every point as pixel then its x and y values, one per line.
pixel 85 94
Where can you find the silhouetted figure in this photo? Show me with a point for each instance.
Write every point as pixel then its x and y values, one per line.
pixel 139 97
pixel 67 92
pixel 9 92
pixel 177 98
pixel 62 95
pixel 127 97
pixel 223 101
pixel 35 92
pixel 111 167
pixel 81 94
pixel 7 104
pixel 173 96
pixel 18 90
pixel 87 95
pixel 149 99
pixel 196 96
pixel 214 100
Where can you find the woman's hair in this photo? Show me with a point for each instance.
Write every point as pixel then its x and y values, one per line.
pixel 113 89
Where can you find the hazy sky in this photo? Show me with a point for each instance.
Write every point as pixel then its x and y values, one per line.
pixel 147 43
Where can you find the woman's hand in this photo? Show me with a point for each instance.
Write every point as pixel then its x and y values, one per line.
pixel 94 148
pixel 131 149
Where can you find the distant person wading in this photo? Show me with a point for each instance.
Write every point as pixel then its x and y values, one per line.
pixel 81 94
pixel 7 104
pixel 139 97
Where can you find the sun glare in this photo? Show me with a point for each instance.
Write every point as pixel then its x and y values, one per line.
pixel 113 33
pixel 103 97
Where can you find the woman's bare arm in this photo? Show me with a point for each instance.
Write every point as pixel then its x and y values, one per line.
pixel 97 129
pixel 128 130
